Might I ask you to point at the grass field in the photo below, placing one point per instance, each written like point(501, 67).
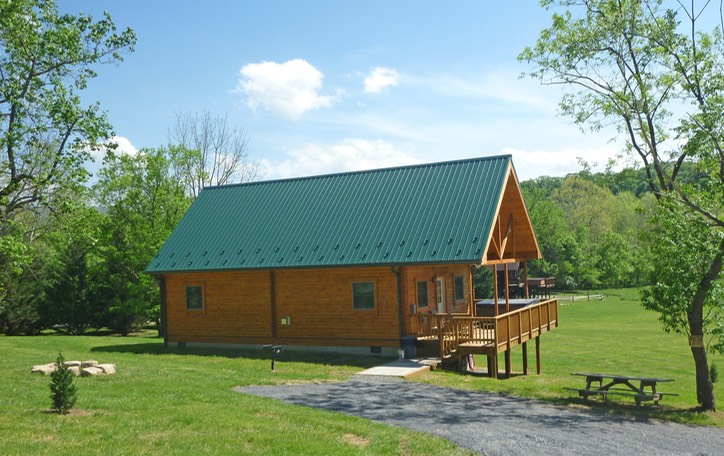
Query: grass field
point(614, 335)
point(179, 401)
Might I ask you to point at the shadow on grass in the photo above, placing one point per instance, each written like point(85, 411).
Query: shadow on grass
point(332, 359)
point(483, 373)
point(642, 413)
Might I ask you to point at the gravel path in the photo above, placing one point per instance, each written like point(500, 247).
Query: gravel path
point(495, 424)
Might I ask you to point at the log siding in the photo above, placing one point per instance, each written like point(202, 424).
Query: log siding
point(302, 306)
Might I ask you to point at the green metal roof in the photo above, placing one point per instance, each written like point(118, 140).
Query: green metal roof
point(422, 214)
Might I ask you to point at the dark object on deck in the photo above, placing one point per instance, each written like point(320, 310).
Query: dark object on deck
point(275, 349)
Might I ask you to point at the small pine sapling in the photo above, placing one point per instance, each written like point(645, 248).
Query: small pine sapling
point(62, 387)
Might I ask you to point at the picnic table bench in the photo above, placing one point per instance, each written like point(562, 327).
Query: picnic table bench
point(640, 388)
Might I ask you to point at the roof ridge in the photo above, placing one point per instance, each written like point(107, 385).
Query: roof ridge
point(361, 171)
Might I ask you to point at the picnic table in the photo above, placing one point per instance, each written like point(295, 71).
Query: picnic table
point(641, 388)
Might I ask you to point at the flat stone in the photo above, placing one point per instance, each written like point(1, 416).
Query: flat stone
point(402, 368)
point(75, 370)
point(108, 368)
point(89, 363)
point(72, 363)
point(91, 371)
point(45, 369)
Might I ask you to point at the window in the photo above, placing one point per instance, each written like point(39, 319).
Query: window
point(363, 295)
point(194, 297)
point(422, 299)
point(459, 288)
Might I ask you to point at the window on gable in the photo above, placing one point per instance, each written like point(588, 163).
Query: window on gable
point(194, 297)
point(422, 297)
point(459, 288)
point(363, 295)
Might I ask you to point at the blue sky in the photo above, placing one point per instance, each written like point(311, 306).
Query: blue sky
point(329, 86)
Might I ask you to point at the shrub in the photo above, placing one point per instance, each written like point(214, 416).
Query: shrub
point(62, 387)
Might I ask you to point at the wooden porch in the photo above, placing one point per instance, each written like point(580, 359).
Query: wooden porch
point(457, 336)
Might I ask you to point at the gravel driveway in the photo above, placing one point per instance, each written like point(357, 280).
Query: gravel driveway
point(495, 424)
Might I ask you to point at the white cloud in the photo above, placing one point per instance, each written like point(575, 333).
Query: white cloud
point(360, 154)
point(287, 89)
point(123, 146)
point(501, 85)
point(380, 78)
point(347, 155)
point(533, 163)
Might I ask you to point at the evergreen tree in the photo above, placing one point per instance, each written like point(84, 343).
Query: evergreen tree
point(62, 387)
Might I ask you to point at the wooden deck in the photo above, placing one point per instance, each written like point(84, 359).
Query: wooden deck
point(460, 335)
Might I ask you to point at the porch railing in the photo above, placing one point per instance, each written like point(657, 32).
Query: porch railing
point(496, 333)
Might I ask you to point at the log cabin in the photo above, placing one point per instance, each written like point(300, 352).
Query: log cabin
point(377, 261)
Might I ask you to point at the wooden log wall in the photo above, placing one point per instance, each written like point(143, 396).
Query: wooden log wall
point(305, 307)
point(319, 304)
point(235, 304)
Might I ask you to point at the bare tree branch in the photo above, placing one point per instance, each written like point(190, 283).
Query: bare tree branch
point(223, 155)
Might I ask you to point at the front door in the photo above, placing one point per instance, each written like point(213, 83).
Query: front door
point(440, 285)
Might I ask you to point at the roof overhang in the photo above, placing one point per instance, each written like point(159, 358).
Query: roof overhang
point(512, 237)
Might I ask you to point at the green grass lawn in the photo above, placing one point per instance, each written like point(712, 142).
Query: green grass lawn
point(181, 402)
point(614, 335)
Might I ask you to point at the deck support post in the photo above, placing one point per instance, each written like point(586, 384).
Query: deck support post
point(441, 338)
point(507, 289)
point(495, 289)
point(473, 307)
point(508, 364)
point(525, 358)
point(493, 365)
point(537, 355)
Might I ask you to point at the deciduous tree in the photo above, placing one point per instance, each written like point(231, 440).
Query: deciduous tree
point(46, 60)
point(144, 201)
point(650, 70)
point(222, 152)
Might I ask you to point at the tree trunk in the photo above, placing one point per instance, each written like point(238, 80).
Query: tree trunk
point(704, 387)
point(159, 327)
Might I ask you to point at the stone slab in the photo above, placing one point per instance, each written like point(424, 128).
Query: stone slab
point(91, 371)
point(45, 369)
point(401, 368)
point(108, 368)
